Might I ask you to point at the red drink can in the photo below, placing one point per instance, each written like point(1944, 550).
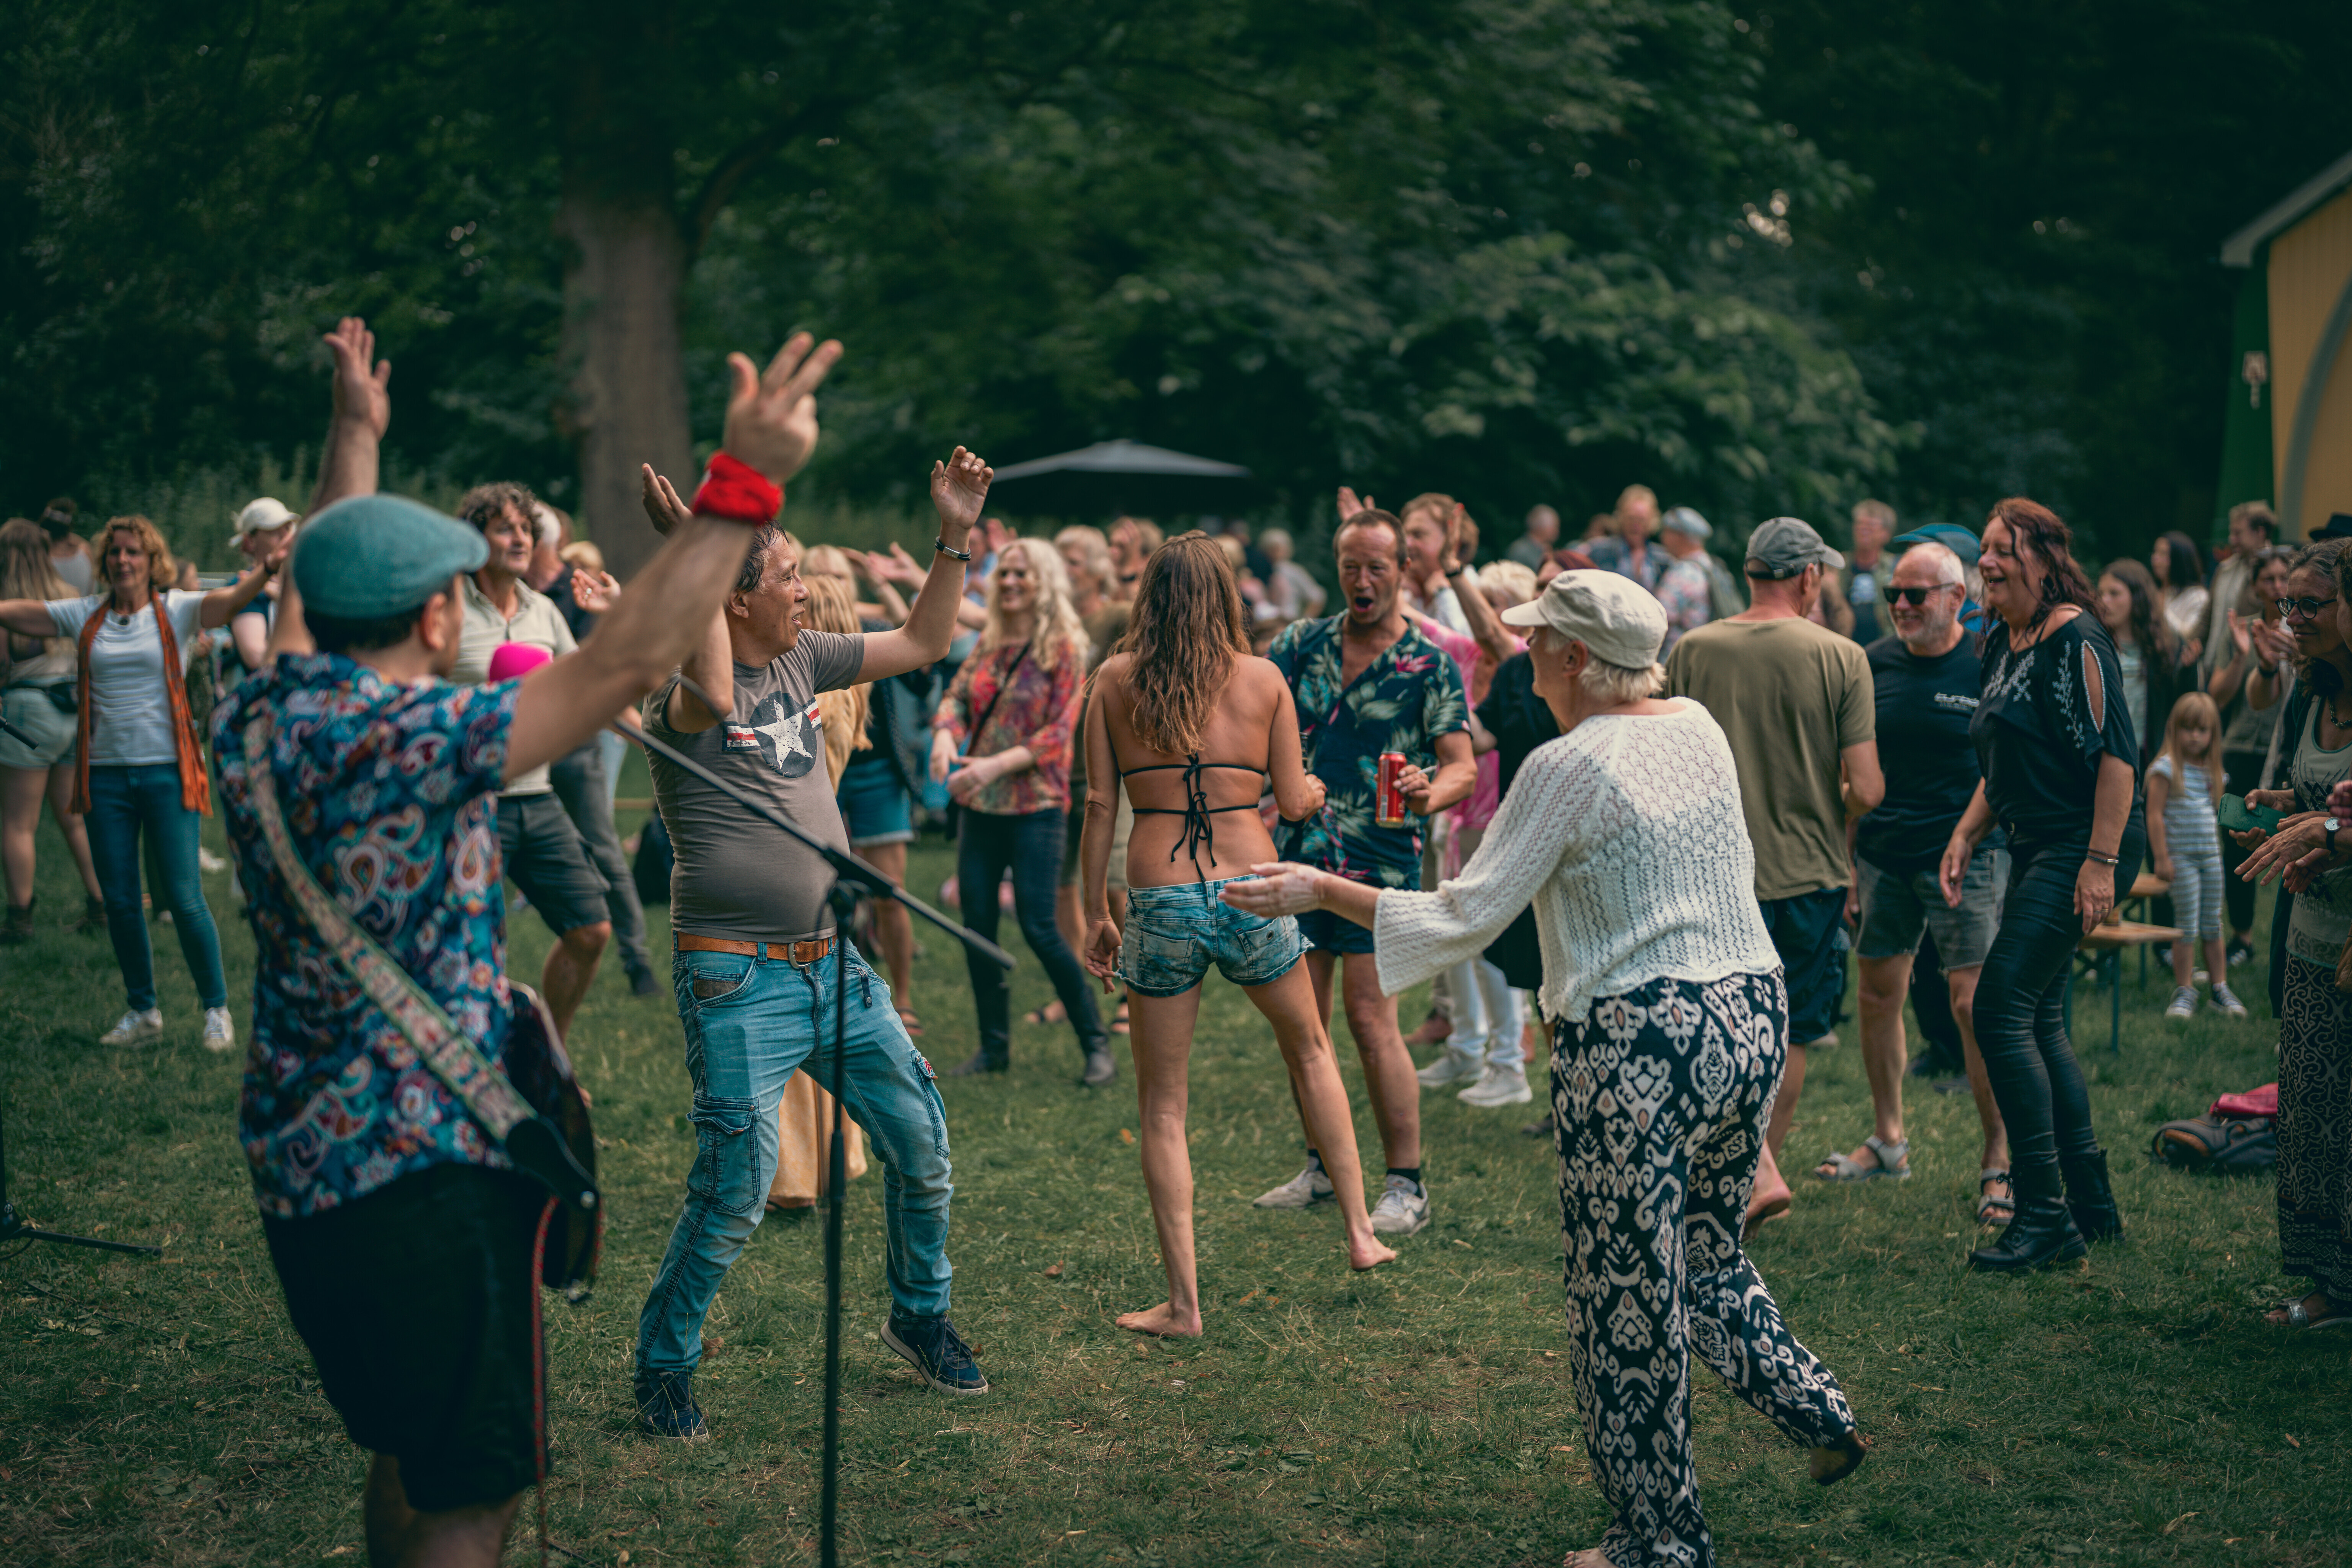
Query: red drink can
point(1388, 800)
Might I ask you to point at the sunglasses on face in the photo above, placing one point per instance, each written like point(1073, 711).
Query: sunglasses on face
point(1915, 595)
point(2306, 609)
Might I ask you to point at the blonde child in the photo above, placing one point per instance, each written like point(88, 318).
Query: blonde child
point(2184, 785)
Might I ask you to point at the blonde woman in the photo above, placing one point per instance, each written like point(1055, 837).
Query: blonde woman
point(1192, 718)
point(1001, 741)
point(35, 762)
point(138, 769)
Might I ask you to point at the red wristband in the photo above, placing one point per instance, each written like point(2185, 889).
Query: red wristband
point(734, 489)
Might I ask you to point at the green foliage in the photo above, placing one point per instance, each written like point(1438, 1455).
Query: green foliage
point(1462, 244)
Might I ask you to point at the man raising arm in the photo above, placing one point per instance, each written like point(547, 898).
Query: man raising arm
point(401, 1234)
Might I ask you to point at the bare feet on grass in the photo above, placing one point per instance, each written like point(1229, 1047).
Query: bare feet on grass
point(1591, 1557)
point(1365, 1251)
point(1163, 1321)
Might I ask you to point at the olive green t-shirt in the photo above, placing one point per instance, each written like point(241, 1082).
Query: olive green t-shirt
point(1791, 696)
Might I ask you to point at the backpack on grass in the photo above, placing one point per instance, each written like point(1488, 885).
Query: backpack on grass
point(2238, 1136)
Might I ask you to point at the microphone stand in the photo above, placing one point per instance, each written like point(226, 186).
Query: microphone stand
point(851, 878)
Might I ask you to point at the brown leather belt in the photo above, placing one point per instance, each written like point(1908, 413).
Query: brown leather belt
point(801, 953)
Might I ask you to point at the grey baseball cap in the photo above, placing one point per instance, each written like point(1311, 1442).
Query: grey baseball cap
point(1784, 546)
point(1684, 521)
point(381, 556)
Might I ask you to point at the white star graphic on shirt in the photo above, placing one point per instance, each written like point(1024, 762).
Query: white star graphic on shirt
point(783, 733)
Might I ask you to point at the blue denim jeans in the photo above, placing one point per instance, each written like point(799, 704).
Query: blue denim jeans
point(123, 803)
point(751, 1022)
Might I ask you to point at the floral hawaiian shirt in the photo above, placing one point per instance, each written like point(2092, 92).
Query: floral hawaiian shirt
point(1023, 696)
point(1404, 701)
point(390, 795)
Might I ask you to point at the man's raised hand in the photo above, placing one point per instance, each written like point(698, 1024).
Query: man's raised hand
point(362, 382)
point(660, 502)
point(959, 488)
point(772, 414)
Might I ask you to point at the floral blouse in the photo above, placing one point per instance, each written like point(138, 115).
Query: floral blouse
point(1035, 693)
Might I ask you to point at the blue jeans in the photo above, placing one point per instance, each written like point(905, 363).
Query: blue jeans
point(1030, 844)
point(124, 803)
point(750, 1024)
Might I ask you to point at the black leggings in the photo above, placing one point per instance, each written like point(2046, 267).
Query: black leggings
point(1031, 844)
point(2021, 1003)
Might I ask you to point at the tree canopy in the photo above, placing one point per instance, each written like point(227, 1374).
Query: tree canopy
point(1521, 252)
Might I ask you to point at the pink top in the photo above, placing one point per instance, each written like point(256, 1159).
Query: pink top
point(1475, 812)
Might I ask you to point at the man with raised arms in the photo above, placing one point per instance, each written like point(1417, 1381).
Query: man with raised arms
point(399, 1229)
point(754, 969)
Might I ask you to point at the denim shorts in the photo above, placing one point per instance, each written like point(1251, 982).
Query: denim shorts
point(875, 807)
point(1173, 934)
point(1897, 906)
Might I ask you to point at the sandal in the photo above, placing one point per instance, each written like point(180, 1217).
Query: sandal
point(912, 1025)
point(1848, 1452)
point(1894, 1164)
point(1770, 1209)
point(2298, 1316)
point(1991, 1210)
point(1119, 1020)
point(1051, 1013)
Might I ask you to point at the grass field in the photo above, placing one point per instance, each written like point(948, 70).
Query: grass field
point(2131, 1410)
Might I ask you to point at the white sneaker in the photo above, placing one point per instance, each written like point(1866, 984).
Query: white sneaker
point(2225, 1001)
point(220, 1029)
point(1503, 1083)
point(2199, 976)
point(2182, 1007)
point(208, 861)
point(1304, 1190)
point(135, 1027)
point(1452, 1064)
point(1403, 1209)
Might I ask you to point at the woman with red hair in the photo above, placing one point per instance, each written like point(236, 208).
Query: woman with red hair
point(2061, 765)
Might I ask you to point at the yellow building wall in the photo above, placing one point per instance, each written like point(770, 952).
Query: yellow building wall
point(2310, 265)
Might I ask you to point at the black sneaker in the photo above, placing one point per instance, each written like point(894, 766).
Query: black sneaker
point(2239, 956)
point(665, 1408)
point(937, 1352)
point(643, 983)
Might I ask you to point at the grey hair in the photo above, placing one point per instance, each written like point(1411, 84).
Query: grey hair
point(1948, 567)
point(755, 558)
point(1607, 684)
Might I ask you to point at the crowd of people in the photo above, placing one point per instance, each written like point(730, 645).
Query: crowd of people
point(1630, 812)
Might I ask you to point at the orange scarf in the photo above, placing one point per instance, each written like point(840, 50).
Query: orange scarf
point(196, 783)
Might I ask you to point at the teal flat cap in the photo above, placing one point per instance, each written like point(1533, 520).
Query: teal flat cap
point(379, 555)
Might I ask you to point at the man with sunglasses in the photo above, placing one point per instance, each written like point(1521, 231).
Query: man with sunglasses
point(1925, 678)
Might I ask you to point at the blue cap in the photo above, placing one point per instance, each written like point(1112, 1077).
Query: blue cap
point(378, 556)
point(1950, 535)
point(1686, 523)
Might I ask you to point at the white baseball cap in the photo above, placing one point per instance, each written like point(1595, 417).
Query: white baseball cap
point(264, 515)
point(1613, 616)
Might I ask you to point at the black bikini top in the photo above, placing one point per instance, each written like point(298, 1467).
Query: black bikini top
point(1196, 811)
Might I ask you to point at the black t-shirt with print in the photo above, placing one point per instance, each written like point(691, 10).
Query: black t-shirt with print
point(1924, 750)
point(2046, 717)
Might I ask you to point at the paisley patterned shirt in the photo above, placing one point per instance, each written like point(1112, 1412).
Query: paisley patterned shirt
point(390, 795)
point(1025, 696)
point(1404, 701)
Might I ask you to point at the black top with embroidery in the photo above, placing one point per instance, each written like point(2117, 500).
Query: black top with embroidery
point(2047, 716)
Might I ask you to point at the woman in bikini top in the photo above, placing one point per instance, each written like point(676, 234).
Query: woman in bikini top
point(1193, 728)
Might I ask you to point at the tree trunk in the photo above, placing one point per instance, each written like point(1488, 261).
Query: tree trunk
point(627, 382)
point(624, 275)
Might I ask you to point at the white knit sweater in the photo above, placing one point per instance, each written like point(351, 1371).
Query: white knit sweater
point(1626, 835)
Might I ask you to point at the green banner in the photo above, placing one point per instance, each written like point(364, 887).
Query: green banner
point(2246, 423)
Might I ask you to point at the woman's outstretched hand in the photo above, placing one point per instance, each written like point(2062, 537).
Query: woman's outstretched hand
point(1276, 888)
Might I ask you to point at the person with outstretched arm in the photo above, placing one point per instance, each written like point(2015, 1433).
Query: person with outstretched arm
point(401, 1233)
point(753, 968)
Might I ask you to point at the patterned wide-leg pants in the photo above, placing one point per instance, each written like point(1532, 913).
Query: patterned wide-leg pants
point(1659, 1101)
point(2314, 1130)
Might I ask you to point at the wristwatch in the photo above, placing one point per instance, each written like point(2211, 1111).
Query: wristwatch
point(2329, 829)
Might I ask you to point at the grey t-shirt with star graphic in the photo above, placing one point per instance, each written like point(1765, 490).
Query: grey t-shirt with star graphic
point(736, 874)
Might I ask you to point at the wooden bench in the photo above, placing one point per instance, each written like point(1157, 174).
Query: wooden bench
point(2104, 944)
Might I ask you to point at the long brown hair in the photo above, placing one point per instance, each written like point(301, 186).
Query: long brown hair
point(1187, 628)
point(2043, 531)
point(842, 713)
point(2149, 630)
point(26, 572)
